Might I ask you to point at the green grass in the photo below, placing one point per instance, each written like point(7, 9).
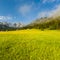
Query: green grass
point(30, 45)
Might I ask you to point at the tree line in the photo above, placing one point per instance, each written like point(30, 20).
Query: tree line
point(45, 23)
point(42, 23)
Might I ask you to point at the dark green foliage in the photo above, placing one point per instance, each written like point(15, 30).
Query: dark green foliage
point(42, 23)
point(45, 23)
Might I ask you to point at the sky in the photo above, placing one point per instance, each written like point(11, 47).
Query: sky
point(25, 11)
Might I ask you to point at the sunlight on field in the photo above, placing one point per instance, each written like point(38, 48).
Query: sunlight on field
point(32, 31)
point(20, 31)
point(30, 45)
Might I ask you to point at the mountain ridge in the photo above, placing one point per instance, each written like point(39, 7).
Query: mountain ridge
point(45, 23)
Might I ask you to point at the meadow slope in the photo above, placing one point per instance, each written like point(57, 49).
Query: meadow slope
point(30, 45)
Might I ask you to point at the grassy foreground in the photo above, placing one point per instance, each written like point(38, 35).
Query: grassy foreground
point(30, 45)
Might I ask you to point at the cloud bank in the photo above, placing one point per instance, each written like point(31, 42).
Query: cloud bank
point(6, 18)
point(51, 13)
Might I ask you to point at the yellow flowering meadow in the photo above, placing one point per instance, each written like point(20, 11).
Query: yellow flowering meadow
point(30, 45)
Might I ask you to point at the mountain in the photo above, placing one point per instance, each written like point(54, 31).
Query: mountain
point(17, 25)
point(42, 23)
point(45, 23)
point(4, 26)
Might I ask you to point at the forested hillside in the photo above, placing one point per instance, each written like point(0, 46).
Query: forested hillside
point(42, 23)
point(45, 23)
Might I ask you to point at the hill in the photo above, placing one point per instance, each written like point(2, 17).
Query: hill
point(51, 23)
point(45, 23)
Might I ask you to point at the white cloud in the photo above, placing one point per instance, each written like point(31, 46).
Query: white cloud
point(25, 9)
point(56, 11)
point(6, 17)
point(44, 1)
point(51, 13)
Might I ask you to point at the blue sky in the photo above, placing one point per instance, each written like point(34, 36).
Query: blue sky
point(26, 11)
